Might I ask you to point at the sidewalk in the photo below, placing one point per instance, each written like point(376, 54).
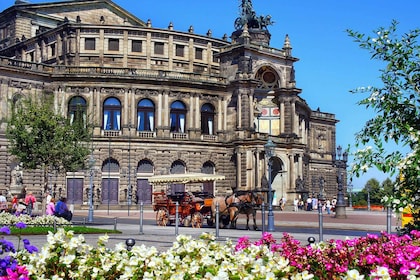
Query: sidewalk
point(163, 237)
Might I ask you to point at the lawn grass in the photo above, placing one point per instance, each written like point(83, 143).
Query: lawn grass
point(36, 230)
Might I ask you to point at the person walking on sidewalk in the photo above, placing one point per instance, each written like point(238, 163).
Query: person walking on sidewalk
point(30, 202)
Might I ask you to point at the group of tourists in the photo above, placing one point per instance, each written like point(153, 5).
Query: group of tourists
point(58, 209)
point(312, 203)
point(25, 202)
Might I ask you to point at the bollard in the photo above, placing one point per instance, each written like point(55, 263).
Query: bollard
point(388, 219)
point(311, 240)
point(84, 221)
point(321, 223)
point(176, 218)
point(115, 223)
point(55, 225)
point(141, 217)
point(263, 217)
point(217, 220)
point(130, 242)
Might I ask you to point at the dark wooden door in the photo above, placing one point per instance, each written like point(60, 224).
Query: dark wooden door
point(74, 190)
point(144, 191)
point(208, 187)
point(110, 191)
point(177, 188)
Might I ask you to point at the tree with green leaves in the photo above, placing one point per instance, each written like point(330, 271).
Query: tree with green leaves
point(397, 120)
point(41, 138)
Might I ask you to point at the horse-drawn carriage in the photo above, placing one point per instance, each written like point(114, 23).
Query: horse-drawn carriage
point(193, 208)
point(240, 202)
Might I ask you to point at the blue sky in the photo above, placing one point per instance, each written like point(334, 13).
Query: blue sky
point(330, 65)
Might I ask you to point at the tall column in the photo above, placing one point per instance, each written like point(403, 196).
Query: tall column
point(292, 170)
point(159, 109)
point(197, 111)
point(294, 118)
point(165, 107)
point(256, 169)
point(282, 117)
point(300, 166)
point(239, 111)
point(191, 115)
point(219, 114)
point(127, 110)
point(225, 116)
point(251, 111)
point(238, 169)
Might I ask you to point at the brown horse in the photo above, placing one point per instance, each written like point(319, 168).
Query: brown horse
point(249, 208)
point(227, 211)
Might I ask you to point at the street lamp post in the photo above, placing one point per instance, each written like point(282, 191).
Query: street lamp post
point(341, 164)
point(129, 188)
point(269, 153)
point(91, 165)
point(350, 189)
point(320, 200)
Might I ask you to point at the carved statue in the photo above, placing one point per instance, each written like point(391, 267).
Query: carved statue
point(250, 18)
point(17, 176)
point(299, 183)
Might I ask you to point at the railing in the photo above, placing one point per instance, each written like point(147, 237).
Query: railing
point(176, 135)
point(123, 72)
point(146, 134)
point(211, 138)
point(111, 133)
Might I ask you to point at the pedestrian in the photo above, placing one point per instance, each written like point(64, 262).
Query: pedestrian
point(282, 203)
point(309, 204)
point(30, 202)
point(47, 197)
point(3, 203)
point(296, 204)
point(61, 209)
point(50, 207)
point(328, 206)
point(20, 208)
point(15, 202)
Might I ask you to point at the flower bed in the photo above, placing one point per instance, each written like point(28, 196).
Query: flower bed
point(66, 256)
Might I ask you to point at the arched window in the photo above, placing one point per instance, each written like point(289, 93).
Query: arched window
point(112, 114)
point(110, 165)
point(145, 115)
point(178, 116)
point(145, 166)
point(77, 110)
point(208, 168)
point(207, 119)
point(178, 167)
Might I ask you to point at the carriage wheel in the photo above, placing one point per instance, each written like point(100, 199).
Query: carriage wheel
point(162, 217)
point(197, 220)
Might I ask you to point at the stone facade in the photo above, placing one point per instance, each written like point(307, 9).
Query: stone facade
point(163, 102)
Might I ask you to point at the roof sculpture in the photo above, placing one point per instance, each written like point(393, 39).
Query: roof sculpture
point(249, 17)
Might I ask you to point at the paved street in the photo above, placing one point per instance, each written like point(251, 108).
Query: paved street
point(300, 225)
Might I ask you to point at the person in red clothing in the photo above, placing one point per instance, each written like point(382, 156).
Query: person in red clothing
point(30, 202)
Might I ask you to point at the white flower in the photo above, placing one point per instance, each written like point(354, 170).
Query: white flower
point(354, 275)
point(68, 259)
